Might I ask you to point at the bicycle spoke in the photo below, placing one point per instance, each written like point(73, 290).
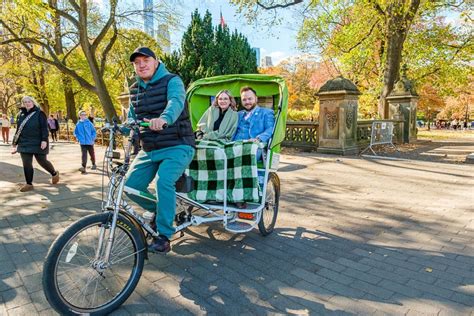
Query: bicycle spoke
point(79, 283)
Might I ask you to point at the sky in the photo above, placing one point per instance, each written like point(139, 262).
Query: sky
point(279, 42)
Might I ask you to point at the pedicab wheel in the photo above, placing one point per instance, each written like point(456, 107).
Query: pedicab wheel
point(76, 282)
point(270, 211)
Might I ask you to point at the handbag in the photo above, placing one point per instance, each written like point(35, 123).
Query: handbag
point(16, 137)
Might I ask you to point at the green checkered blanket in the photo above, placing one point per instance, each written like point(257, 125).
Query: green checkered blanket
point(207, 170)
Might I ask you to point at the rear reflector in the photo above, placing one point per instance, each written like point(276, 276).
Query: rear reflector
point(245, 216)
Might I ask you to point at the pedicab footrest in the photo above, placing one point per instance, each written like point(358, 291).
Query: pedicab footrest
point(251, 207)
point(239, 227)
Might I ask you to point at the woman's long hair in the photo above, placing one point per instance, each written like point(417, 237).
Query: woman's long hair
point(28, 98)
point(233, 104)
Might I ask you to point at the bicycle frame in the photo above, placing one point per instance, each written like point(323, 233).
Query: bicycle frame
point(115, 202)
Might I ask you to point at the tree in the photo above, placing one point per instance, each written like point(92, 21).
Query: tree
point(304, 75)
point(209, 51)
point(77, 38)
point(430, 103)
point(367, 38)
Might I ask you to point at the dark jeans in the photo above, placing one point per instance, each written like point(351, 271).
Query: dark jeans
point(28, 165)
point(5, 134)
point(84, 150)
point(54, 134)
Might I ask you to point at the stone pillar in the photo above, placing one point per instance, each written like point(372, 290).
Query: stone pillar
point(402, 102)
point(125, 103)
point(338, 102)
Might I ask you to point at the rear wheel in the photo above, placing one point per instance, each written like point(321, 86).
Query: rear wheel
point(270, 210)
point(75, 282)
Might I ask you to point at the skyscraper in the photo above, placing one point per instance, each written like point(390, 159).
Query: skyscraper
point(267, 62)
point(257, 55)
point(148, 17)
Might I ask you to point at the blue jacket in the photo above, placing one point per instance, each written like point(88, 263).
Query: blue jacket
point(85, 132)
point(261, 123)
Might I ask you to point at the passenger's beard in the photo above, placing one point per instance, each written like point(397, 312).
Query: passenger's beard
point(253, 107)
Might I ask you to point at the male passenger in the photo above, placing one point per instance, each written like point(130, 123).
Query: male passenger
point(255, 123)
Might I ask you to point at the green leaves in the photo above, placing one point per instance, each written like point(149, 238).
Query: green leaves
point(210, 51)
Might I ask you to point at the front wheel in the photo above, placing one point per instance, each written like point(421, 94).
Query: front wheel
point(78, 281)
point(270, 211)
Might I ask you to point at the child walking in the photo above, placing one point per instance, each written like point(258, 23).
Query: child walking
point(85, 134)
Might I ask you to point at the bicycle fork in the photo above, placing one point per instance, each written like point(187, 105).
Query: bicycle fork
point(109, 241)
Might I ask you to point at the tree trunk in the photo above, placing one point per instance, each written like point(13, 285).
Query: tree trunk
point(42, 86)
point(71, 112)
point(396, 32)
point(102, 91)
point(104, 97)
point(38, 82)
point(97, 75)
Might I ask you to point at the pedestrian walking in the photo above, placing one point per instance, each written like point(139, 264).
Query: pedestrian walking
point(85, 134)
point(5, 128)
point(53, 126)
point(31, 139)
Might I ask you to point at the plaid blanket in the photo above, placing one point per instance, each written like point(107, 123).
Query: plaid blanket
point(207, 170)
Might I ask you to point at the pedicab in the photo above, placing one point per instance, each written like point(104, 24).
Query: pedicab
point(96, 263)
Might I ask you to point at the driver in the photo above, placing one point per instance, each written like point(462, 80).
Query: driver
point(168, 144)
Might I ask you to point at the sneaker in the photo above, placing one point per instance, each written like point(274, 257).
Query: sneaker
point(94, 167)
point(160, 245)
point(82, 170)
point(55, 178)
point(26, 188)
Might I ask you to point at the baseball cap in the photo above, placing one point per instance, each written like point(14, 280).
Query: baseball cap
point(143, 51)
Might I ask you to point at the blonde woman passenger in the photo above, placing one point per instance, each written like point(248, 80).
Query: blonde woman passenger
point(219, 122)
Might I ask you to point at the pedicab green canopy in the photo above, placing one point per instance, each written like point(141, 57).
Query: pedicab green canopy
point(272, 89)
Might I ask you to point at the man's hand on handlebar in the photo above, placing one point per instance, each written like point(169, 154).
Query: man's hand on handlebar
point(156, 124)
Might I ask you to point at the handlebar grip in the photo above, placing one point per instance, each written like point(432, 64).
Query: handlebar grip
point(147, 124)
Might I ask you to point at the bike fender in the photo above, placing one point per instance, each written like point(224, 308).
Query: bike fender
point(138, 226)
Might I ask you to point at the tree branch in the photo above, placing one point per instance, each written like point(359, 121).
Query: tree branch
point(75, 5)
point(377, 7)
point(269, 7)
point(63, 60)
point(411, 13)
point(55, 62)
point(105, 29)
point(361, 40)
point(65, 15)
point(107, 50)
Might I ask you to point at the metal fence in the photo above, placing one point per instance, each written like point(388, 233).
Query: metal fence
point(381, 134)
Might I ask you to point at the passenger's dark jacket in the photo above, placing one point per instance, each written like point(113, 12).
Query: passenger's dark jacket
point(34, 132)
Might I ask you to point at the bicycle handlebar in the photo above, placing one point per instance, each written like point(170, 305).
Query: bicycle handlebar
point(128, 124)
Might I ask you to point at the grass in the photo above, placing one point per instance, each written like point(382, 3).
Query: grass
point(442, 134)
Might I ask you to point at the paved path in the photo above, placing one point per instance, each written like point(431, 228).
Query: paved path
point(353, 236)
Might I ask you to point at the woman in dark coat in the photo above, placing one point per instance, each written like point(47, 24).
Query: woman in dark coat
point(33, 141)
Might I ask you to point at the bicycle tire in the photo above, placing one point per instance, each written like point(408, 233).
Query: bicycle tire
point(270, 211)
point(66, 251)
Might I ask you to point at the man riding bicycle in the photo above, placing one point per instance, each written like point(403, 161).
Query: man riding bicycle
point(158, 97)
